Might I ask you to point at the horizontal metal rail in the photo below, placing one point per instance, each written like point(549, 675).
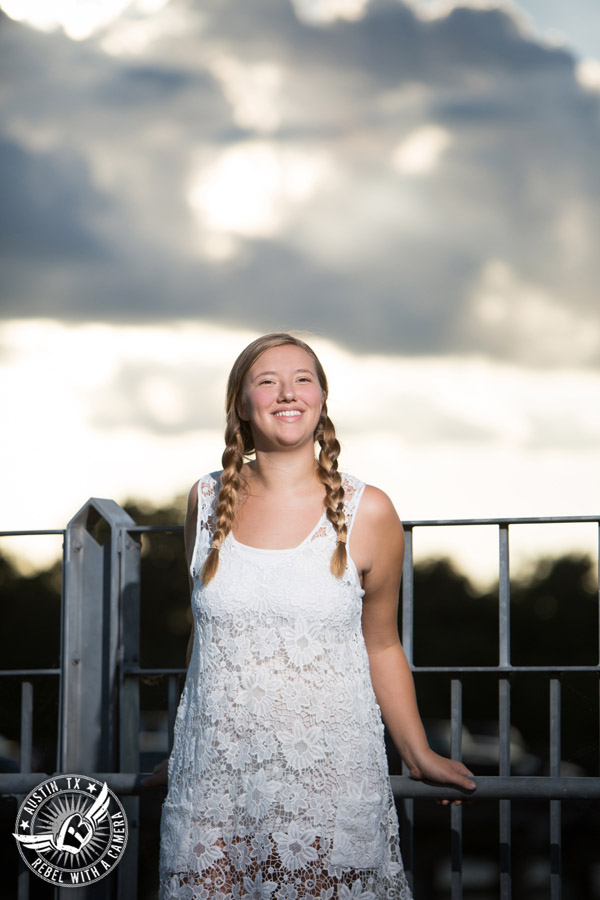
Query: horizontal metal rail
point(417, 670)
point(27, 673)
point(523, 520)
point(488, 787)
point(408, 523)
point(500, 670)
point(30, 532)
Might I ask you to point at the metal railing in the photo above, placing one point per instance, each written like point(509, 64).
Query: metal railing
point(100, 674)
point(505, 786)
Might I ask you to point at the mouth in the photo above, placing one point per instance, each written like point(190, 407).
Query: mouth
point(288, 414)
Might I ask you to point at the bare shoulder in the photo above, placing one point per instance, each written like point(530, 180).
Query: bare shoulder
point(377, 533)
point(377, 513)
point(375, 503)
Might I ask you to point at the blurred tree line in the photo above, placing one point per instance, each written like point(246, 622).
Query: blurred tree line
point(554, 621)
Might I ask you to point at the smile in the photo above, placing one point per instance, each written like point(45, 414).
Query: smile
point(289, 413)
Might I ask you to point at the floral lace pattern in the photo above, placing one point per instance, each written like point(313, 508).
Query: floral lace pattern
point(278, 783)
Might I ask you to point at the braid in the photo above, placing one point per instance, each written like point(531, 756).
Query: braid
point(327, 470)
point(232, 460)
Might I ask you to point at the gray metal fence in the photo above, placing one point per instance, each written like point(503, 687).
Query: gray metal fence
point(99, 708)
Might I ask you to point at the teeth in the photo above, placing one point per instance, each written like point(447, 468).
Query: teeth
point(289, 412)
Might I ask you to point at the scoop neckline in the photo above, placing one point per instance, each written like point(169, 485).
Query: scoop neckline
point(279, 549)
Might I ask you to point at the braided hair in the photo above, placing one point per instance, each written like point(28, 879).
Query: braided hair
point(239, 443)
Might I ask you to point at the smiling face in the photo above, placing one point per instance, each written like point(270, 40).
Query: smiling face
point(281, 398)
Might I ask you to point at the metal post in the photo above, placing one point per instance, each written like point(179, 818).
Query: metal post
point(408, 597)
point(456, 819)
point(25, 761)
point(407, 810)
point(505, 805)
point(504, 713)
point(96, 583)
point(504, 597)
point(129, 706)
point(555, 805)
point(88, 732)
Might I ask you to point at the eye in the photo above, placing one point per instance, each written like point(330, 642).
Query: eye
point(266, 381)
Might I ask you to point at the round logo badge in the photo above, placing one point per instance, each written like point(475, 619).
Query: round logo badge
point(71, 830)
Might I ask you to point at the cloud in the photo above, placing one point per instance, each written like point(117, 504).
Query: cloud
point(357, 177)
point(47, 203)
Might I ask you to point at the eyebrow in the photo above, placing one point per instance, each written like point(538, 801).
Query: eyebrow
point(296, 372)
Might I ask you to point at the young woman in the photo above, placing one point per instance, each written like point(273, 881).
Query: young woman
point(278, 782)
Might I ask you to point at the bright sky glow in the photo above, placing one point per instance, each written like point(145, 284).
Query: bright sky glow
point(420, 152)
point(588, 74)
point(250, 188)
point(78, 18)
point(445, 438)
point(318, 11)
point(253, 91)
point(134, 35)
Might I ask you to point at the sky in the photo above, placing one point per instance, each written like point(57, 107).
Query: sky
point(415, 185)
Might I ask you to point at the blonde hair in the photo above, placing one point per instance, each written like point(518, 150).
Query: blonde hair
point(240, 443)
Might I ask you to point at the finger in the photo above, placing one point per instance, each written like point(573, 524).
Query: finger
point(465, 779)
point(154, 780)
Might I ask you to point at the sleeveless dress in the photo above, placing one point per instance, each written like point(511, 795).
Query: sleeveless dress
point(278, 778)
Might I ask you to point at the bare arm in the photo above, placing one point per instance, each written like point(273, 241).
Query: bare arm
point(383, 539)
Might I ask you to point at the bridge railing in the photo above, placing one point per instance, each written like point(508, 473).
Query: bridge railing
point(99, 688)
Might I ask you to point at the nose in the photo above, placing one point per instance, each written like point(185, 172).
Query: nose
point(287, 392)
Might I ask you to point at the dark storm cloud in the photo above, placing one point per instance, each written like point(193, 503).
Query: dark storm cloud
point(381, 259)
point(45, 200)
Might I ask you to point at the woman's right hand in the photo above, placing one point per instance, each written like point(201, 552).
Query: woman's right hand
point(160, 775)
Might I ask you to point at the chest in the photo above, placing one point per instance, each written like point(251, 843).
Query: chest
point(277, 525)
point(264, 587)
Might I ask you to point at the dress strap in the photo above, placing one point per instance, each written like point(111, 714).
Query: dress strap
point(353, 491)
point(208, 489)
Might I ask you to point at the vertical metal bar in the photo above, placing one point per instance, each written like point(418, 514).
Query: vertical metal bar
point(555, 805)
point(26, 726)
point(407, 810)
point(504, 711)
point(408, 597)
point(505, 805)
point(129, 699)
point(456, 822)
point(504, 597)
point(25, 760)
point(129, 651)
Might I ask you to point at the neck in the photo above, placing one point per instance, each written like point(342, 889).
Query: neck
point(286, 473)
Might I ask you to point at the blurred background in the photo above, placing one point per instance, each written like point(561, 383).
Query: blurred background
point(414, 184)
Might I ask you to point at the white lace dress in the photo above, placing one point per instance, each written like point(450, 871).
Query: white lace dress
point(278, 780)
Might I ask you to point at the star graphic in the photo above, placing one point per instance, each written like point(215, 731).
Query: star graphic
point(92, 787)
point(24, 825)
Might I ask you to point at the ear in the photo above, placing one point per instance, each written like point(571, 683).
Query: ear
point(240, 408)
